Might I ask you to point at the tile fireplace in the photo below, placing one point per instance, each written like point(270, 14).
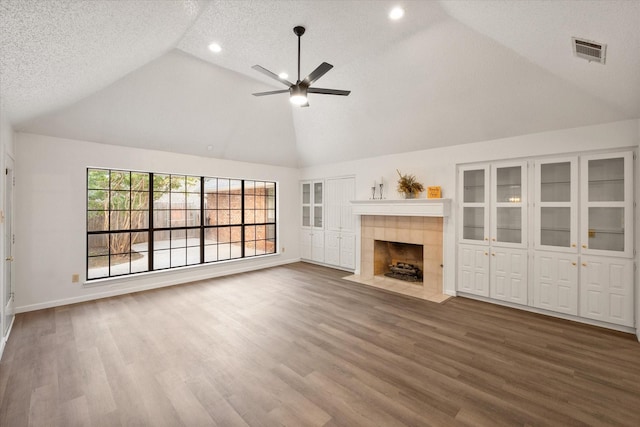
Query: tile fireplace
point(414, 235)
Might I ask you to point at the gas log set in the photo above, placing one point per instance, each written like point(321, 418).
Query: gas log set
point(405, 271)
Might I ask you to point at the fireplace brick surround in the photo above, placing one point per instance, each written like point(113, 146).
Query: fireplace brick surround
point(426, 231)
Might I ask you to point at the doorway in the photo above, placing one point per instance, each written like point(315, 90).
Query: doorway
point(8, 291)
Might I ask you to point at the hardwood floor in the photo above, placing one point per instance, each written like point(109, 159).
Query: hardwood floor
point(299, 346)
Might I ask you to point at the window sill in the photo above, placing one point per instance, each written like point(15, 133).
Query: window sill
point(167, 272)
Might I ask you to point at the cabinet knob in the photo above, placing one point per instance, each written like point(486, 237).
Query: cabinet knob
point(493, 254)
point(494, 239)
point(486, 253)
point(584, 246)
point(584, 264)
point(486, 238)
point(573, 263)
point(573, 245)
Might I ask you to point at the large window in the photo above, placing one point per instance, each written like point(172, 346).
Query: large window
point(139, 221)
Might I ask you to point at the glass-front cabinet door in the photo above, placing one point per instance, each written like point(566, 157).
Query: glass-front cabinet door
point(509, 207)
point(606, 191)
point(556, 193)
point(312, 203)
point(318, 196)
point(306, 204)
point(474, 191)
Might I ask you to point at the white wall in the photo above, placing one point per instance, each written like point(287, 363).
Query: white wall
point(51, 216)
point(637, 223)
point(438, 166)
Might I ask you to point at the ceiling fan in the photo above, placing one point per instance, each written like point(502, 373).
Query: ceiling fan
point(298, 91)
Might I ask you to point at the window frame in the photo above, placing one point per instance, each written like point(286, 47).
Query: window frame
point(269, 241)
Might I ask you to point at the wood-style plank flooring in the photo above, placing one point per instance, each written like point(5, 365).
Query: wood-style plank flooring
point(299, 346)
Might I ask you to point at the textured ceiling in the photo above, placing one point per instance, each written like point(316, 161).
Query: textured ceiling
point(450, 72)
point(54, 52)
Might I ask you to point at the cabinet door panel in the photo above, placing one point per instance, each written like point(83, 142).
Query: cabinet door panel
point(509, 275)
point(473, 190)
point(317, 246)
point(306, 193)
point(334, 204)
point(305, 249)
point(306, 216)
point(606, 290)
point(555, 282)
point(556, 204)
point(348, 250)
point(500, 287)
point(473, 271)
point(332, 247)
point(348, 193)
point(509, 204)
point(606, 204)
point(466, 278)
point(546, 296)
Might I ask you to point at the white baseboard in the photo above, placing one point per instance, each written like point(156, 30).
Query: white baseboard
point(5, 339)
point(323, 264)
point(160, 283)
point(578, 319)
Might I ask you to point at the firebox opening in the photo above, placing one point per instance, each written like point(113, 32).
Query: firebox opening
point(403, 261)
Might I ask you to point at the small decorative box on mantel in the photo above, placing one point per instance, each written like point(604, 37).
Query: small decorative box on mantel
point(434, 192)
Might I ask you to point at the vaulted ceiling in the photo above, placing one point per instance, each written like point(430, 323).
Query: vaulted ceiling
point(139, 73)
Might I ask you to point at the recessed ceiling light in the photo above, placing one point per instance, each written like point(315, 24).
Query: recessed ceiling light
point(215, 47)
point(396, 13)
point(283, 75)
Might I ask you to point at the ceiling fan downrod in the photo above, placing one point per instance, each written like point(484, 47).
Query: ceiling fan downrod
point(298, 31)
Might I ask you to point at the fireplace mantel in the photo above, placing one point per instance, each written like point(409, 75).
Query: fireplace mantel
point(410, 207)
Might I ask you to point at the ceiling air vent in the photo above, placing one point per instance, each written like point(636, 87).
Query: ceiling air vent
point(589, 50)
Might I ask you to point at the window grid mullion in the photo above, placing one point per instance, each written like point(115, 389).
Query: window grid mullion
point(151, 223)
point(242, 224)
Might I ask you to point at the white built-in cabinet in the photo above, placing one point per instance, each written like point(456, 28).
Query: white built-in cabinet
point(567, 250)
point(555, 237)
point(312, 233)
point(493, 230)
point(340, 233)
point(328, 233)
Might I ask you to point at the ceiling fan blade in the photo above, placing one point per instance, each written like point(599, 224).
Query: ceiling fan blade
point(328, 91)
point(273, 92)
point(317, 73)
point(272, 75)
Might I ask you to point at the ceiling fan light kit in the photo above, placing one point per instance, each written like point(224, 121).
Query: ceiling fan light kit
point(298, 95)
point(298, 91)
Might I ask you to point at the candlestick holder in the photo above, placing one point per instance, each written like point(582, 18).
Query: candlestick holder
point(373, 193)
point(381, 187)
